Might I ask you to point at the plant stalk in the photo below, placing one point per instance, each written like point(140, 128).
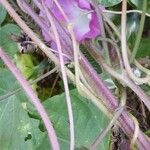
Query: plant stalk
point(34, 99)
point(126, 123)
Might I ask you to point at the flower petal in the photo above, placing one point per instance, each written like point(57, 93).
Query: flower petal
point(78, 12)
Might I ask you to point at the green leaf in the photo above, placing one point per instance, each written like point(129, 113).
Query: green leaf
point(3, 14)
point(25, 64)
point(5, 38)
point(10, 28)
point(17, 130)
point(144, 49)
point(109, 3)
point(139, 4)
point(7, 82)
point(88, 120)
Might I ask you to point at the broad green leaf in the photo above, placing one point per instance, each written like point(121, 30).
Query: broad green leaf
point(17, 130)
point(108, 3)
point(3, 14)
point(88, 120)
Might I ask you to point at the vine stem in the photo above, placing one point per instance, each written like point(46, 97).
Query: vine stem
point(114, 28)
point(111, 101)
point(124, 47)
point(104, 132)
point(128, 11)
point(140, 31)
point(34, 99)
point(64, 76)
point(123, 78)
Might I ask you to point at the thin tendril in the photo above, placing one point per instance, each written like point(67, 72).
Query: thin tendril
point(65, 80)
point(128, 11)
point(140, 31)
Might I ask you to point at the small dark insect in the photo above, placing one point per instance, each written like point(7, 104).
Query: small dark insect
point(25, 44)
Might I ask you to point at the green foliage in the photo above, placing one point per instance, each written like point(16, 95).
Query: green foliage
point(15, 125)
point(6, 31)
point(10, 28)
point(87, 118)
point(20, 125)
point(25, 64)
point(88, 121)
point(5, 38)
point(139, 4)
point(3, 14)
point(19, 131)
point(144, 49)
point(108, 3)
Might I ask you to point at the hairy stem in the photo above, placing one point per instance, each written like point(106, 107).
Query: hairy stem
point(101, 90)
point(122, 78)
point(34, 99)
point(64, 76)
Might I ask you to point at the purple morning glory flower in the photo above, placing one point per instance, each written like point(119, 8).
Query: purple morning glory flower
point(80, 13)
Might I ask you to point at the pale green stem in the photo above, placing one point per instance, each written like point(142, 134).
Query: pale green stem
point(123, 78)
point(128, 11)
point(124, 48)
point(112, 25)
point(140, 31)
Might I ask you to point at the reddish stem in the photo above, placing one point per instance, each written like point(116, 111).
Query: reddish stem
point(34, 99)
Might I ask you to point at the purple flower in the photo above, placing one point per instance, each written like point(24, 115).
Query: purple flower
point(80, 13)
